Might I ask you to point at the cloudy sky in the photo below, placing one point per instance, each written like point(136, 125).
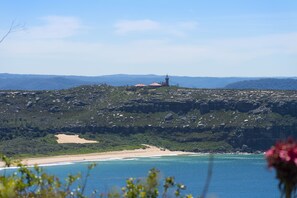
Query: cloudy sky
point(189, 37)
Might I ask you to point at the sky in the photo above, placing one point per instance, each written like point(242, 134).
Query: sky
point(218, 38)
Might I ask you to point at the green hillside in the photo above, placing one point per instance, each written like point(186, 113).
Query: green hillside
point(199, 120)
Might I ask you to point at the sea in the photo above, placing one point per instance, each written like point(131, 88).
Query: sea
point(233, 175)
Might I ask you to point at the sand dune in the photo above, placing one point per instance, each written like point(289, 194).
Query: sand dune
point(63, 138)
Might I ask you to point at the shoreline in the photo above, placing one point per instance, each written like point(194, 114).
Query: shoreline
point(150, 151)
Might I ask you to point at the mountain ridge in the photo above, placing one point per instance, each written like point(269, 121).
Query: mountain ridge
point(56, 82)
point(265, 84)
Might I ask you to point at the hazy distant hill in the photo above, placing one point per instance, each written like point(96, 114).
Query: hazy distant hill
point(268, 83)
point(52, 82)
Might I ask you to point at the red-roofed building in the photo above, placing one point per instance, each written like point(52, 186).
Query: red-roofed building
point(155, 85)
point(140, 85)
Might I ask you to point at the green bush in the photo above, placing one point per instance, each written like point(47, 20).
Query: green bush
point(35, 183)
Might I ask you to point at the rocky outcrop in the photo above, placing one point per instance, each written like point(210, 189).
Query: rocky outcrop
point(255, 107)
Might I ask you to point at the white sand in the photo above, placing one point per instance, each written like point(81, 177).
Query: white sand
point(63, 138)
point(150, 151)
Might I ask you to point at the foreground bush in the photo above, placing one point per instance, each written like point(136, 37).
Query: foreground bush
point(283, 158)
point(34, 182)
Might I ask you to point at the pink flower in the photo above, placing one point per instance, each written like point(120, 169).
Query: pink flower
point(270, 152)
point(283, 154)
point(295, 161)
point(283, 157)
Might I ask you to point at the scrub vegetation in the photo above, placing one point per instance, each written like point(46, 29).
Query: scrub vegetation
point(199, 120)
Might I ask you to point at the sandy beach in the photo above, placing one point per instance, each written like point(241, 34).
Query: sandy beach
point(150, 151)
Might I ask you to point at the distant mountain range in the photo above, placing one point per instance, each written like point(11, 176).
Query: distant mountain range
point(267, 83)
point(55, 82)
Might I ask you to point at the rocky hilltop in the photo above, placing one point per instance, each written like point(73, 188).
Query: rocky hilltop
point(172, 117)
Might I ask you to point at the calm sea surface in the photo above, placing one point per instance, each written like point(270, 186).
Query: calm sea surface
point(234, 176)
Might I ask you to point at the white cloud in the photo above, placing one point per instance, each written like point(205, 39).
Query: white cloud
point(126, 26)
point(250, 56)
point(54, 27)
point(179, 29)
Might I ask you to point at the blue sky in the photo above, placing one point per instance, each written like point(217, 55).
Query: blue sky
point(192, 38)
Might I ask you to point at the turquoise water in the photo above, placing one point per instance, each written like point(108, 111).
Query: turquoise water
point(244, 176)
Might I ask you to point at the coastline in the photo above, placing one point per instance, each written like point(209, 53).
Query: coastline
point(150, 151)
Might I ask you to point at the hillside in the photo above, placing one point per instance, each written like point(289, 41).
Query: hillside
point(265, 84)
point(52, 82)
point(125, 117)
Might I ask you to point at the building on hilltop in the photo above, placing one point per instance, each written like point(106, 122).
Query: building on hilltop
point(140, 85)
point(155, 84)
point(166, 83)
